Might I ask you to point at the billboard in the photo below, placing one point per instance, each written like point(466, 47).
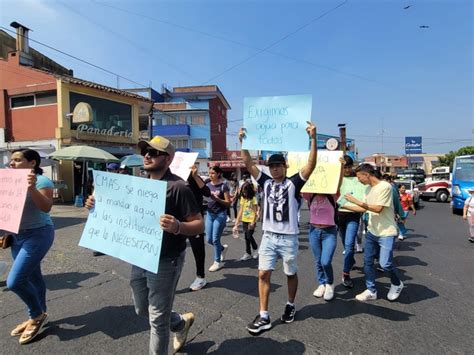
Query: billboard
point(413, 145)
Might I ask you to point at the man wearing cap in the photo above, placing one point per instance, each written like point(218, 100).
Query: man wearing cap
point(153, 294)
point(280, 227)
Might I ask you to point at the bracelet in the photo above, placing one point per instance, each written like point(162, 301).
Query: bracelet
point(178, 230)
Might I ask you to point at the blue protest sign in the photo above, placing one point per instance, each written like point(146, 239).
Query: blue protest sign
point(277, 123)
point(413, 145)
point(125, 220)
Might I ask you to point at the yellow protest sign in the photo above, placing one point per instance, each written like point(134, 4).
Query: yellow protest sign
point(325, 177)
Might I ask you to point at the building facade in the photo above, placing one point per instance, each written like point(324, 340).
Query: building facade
point(35, 112)
point(194, 118)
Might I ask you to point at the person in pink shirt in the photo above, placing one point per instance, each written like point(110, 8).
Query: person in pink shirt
point(323, 238)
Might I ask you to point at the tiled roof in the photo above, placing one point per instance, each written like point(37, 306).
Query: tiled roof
point(90, 84)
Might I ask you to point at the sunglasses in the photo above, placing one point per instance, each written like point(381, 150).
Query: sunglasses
point(153, 152)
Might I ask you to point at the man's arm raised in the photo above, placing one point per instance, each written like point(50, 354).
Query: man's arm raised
point(307, 170)
point(247, 159)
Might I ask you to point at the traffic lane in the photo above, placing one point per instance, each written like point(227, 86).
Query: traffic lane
point(230, 302)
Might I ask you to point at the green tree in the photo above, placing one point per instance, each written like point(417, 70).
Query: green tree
point(448, 159)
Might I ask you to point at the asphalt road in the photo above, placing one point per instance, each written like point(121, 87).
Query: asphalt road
point(91, 310)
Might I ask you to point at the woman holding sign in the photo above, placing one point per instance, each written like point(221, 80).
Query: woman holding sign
point(31, 244)
point(217, 215)
point(323, 238)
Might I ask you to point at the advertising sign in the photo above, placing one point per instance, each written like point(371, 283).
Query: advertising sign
point(413, 145)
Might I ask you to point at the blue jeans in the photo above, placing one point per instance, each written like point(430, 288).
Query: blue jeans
point(215, 224)
point(401, 226)
point(383, 248)
point(153, 296)
point(323, 244)
point(29, 247)
point(348, 224)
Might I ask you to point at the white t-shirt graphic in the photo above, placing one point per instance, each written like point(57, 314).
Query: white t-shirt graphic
point(280, 203)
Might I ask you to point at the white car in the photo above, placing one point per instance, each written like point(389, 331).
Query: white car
point(411, 188)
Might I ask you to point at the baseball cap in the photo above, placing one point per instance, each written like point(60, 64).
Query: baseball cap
point(276, 159)
point(113, 166)
point(159, 143)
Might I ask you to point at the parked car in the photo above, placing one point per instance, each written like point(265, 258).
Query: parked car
point(411, 188)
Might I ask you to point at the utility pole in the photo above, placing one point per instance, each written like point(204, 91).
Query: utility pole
point(342, 136)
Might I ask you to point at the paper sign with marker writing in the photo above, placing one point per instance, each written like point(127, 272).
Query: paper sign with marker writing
point(125, 220)
point(181, 164)
point(352, 186)
point(325, 177)
point(277, 123)
point(13, 189)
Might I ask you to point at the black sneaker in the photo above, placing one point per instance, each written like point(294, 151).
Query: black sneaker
point(347, 282)
point(289, 315)
point(259, 324)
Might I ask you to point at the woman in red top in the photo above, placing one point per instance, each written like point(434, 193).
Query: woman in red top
point(406, 201)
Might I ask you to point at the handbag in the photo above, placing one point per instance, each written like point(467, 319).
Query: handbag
point(5, 241)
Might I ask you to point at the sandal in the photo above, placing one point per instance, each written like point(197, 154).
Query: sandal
point(33, 329)
point(19, 329)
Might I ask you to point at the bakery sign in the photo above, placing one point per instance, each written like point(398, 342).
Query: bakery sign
point(113, 131)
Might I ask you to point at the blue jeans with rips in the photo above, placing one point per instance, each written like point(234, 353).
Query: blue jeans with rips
point(383, 248)
point(25, 279)
point(215, 224)
point(153, 296)
point(323, 244)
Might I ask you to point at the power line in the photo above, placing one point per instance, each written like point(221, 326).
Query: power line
point(129, 41)
point(275, 42)
point(232, 41)
point(76, 58)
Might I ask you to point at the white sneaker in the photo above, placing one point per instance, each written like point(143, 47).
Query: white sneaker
point(255, 254)
point(228, 219)
point(246, 257)
point(319, 292)
point(401, 237)
point(180, 337)
point(359, 248)
point(367, 295)
point(215, 266)
point(395, 291)
point(224, 251)
point(198, 284)
point(329, 292)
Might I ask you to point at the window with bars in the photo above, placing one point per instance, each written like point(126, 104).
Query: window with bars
point(198, 120)
point(199, 143)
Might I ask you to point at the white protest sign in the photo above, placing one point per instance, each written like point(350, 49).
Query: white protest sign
point(182, 163)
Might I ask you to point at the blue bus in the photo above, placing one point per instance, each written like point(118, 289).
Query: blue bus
point(462, 178)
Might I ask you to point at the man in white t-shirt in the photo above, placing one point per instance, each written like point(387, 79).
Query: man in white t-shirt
point(382, 230)
point(280, 227)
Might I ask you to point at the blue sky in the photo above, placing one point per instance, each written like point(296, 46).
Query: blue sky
point(366, 63)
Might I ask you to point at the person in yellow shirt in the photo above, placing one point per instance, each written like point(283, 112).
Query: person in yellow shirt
point(382, 231)
point(248, 214)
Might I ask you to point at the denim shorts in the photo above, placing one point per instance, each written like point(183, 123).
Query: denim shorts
point(275, 245)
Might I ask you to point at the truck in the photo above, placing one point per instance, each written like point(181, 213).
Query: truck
point(462, 180)
point(438, 186)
